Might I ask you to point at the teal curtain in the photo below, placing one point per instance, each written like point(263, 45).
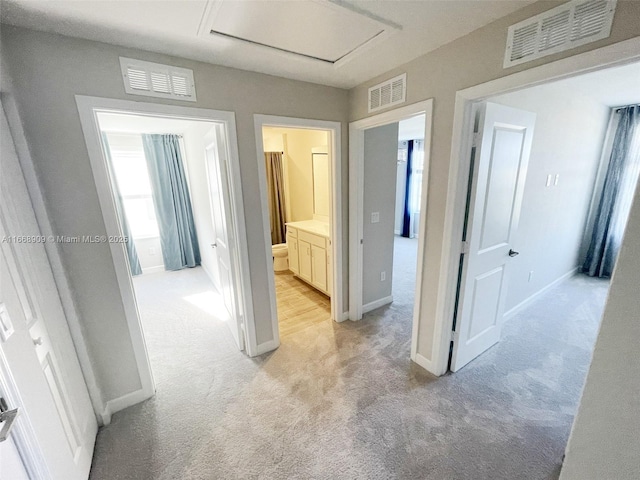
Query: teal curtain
point(617, 195)
point(132, 254)
point(172, 202)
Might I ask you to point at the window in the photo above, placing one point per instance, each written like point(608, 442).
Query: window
point(132, 175)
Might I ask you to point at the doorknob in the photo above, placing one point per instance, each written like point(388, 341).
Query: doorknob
point(7, 419)
point(37, 341)
point(214, 245)
point(513, 253)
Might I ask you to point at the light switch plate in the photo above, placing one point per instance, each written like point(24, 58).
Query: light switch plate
point(375, 217)
point(6, 326)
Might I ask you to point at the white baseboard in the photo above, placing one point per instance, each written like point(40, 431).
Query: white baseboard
point(159, 268)
point(267, 347)
point(121, 403)
point(424, 362)
point(210, 275)
point(529, 300)
point(377, 304)
point(344, 316)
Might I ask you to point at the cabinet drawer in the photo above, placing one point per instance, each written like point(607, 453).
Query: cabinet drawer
point(292, 231)
point(312, 239)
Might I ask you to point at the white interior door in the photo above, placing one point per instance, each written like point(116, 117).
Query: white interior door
point(499, 173)
point(35, 341)
point(224, 247)
point(11, 464)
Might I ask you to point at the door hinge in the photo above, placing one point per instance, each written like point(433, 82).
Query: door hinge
point(464, 248)
point(475, 141)
point(453, 336)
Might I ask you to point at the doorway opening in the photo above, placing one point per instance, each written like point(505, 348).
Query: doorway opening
point(386, 234)
point(408, 193)
point(553, 173)
point(300, 180)
point(299, 198)
point(167, 179)
point(164, 176)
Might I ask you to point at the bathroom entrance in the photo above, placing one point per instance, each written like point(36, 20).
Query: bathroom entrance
point(298, 193)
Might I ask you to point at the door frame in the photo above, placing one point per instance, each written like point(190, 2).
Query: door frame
point(88, 108)
point(53, 254)
point(356, 206)
point(615, 55)
point(335, 227)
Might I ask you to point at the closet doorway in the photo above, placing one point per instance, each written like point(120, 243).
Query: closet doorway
point(302, 229)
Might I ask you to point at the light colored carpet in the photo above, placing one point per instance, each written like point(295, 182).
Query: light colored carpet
point(343, 401)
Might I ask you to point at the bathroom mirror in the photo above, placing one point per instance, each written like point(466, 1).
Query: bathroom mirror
point(320, 184)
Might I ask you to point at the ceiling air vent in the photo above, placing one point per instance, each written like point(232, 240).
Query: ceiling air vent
point(389, 93)
point(568, 26)
point(156, 80)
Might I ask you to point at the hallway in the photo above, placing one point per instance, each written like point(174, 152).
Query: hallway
point(344, 401)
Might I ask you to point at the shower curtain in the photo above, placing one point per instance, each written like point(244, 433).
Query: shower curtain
point(275, 195)
point(172, 203)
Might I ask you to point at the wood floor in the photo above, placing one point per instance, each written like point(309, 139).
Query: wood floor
point(299, 305)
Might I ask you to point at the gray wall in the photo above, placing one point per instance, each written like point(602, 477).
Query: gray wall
point(568, 138)
point(41, 73)
point(471, 60)
point(380, 154)
point(605, 440)
point(149, 252)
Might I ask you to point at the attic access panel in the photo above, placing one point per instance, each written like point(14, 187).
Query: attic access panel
point(319, 30)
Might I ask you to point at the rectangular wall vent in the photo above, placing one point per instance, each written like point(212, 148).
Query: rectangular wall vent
point(157, 80)
point(389, 93)
point(568, 26)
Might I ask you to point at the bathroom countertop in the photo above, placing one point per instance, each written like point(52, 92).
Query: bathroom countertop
point(312, 226)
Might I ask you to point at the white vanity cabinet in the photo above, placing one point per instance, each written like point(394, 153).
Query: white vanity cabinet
point(310, 253)
point(292, 246)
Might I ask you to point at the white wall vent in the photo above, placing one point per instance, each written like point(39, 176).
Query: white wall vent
point(568, 26)
point(389, 93)
point(157, 80)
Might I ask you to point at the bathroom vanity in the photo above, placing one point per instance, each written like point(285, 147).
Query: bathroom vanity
point(309, 247)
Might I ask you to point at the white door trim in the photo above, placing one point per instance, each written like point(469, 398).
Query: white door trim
point(88, 107)
point(619, 54)
point(334, 128)
point(53, 254)
point(356, 206)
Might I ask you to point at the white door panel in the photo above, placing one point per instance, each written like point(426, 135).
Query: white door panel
point(497, 186)
point(319, 267)
point(304, 265)
point(292, 245)
point(11, 466)
point(39, 352)
point(215, 155)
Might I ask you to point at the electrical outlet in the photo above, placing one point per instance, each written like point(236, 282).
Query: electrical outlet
point(530, 276)
point(383, 276)
point(375, 217)
point(152, 251)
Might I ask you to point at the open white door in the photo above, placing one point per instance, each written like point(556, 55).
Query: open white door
point(224, 246)
point(35, 342)
point(499, 173)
